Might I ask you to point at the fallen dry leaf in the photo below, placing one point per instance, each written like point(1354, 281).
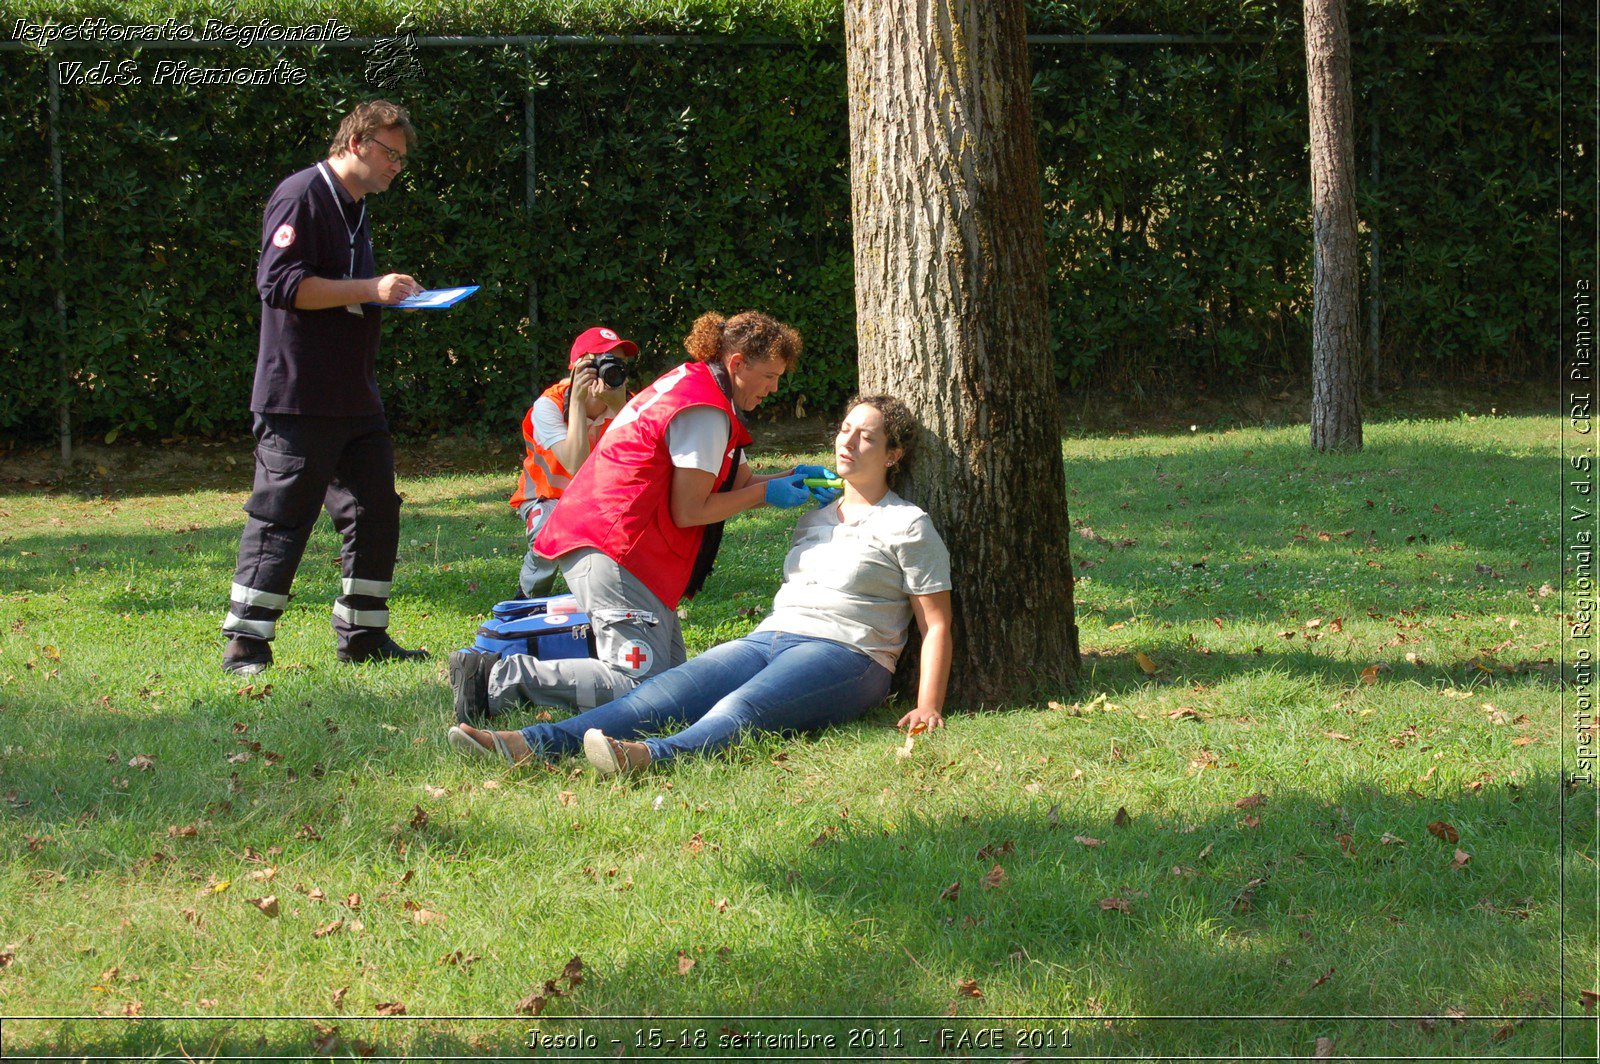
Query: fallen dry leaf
point(1461, 860)
point(1251, 821)
point(968, 988)
point(1324, 1048)
point(316, 894)
point(993, 878)
point(353, 901)
point(459, 959)
point(133, 1008)
point(1440, 830)
point(685, 963)
point(1369, 675)
point(1346, 844)
point(389, 1008)
point(262, 873)
point(435, 792)
point(268, 905)
point(997, 849)
point(566, 798)
point(419, 816)
point(1087, 840)
point(1343, 738)
point(1121, 819)
point(325, 1041)
point(1250, 801)
point(1323, 978)
point(1392, 840)
point(142, 762)
point(329, 928)
point(187, 831)
point(1145, 663)
point(951, 892)
point(427, 916)
point(1121, 905)
point(220, 886)
point(1589, 999)
point(1524, 740)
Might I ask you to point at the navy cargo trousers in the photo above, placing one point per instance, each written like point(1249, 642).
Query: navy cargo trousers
point(303, 465)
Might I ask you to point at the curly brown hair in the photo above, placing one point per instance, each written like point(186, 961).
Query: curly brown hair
point(758, 336)
point(365, 121)
point(899, 429)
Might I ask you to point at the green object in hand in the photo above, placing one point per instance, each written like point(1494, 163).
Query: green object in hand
point(823, 482)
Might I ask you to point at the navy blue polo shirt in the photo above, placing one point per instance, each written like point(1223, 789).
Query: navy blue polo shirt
point(318, 362)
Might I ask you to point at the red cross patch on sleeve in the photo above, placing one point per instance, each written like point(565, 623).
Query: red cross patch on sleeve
point(284, 236)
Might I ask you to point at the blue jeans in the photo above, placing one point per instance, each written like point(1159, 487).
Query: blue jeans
point(768, 681)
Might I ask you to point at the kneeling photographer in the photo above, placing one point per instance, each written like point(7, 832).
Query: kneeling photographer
point(560, 430)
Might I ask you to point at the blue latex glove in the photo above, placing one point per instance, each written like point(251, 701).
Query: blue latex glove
point(816, 472)
point(787, 492)
point(825, 496)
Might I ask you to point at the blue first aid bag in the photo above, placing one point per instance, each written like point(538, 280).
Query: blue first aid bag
point(547, 636)
point(529, 607)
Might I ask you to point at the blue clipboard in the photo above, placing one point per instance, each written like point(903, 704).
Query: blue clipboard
point(434, 298)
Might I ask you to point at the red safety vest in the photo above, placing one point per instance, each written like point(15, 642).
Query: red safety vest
point(620, 501)
point(543, 475)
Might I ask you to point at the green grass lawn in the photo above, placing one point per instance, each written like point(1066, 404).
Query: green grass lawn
point(1338, 795)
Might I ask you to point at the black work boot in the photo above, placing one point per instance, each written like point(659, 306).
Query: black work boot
point(469, 679)
point(377, 646)
point(244, 656)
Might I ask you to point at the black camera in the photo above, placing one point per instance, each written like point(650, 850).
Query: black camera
point(611, 370)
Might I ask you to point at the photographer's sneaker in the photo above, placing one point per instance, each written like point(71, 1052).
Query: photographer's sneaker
point(244, 656)
point(469, 680)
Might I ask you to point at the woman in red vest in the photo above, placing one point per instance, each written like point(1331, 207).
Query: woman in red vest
point(637, 528)
point(857, 575)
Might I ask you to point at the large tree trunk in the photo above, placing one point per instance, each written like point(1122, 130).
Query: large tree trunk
point(951, 318)
point(1336, 279)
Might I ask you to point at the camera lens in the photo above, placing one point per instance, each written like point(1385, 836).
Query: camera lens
point(611, 370)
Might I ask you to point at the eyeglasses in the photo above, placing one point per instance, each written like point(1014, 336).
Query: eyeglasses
point(394, 156)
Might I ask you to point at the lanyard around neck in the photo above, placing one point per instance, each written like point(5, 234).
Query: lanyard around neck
point(350, 231)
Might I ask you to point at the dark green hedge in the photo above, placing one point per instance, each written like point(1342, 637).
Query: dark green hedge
point(672, 180)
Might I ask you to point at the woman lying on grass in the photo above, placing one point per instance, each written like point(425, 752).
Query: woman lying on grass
point(857, 572)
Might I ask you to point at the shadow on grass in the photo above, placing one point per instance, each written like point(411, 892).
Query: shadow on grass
point(1262, 937)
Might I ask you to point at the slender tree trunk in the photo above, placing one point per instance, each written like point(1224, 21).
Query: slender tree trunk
point(1336, 280)
point(951, 317)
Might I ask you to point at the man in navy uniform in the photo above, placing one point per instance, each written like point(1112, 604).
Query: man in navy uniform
point(322, 439)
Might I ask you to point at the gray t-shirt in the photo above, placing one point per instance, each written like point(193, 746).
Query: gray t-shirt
point(852, 582)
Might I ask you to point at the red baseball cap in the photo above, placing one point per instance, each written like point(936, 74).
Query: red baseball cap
point(598, 340)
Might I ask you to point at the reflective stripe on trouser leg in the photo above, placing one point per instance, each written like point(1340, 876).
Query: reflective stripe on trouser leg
point(249, 596)
point(233, 624)
point(378, 589)
point(361, 618)
point(253, 612)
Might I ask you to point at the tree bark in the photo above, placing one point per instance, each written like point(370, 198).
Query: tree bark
point(1336, 277)
point(951, 318)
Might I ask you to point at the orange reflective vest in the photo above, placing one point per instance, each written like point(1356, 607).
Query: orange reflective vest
point(543, 475)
